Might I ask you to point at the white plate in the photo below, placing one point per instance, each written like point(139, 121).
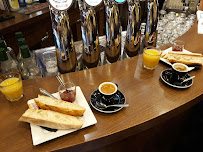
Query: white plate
point(167, 62)
point(40, 135)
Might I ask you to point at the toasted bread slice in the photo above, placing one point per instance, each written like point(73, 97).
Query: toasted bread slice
point(51, 119)
point(186, 59)
point(61, 106)
point(184, 53)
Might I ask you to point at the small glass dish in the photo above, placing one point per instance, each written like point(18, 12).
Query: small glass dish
point(68, 93)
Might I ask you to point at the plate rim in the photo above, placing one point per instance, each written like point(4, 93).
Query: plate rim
point(175, 86)
point(106, 111)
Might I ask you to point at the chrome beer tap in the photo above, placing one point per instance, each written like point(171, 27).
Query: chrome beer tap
point(65, 50)
point(133, 35)
point(113, 31)
point(151, 24)
point(90, 36)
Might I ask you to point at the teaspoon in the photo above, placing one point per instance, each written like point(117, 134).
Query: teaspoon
point(46, 93)
point(188, 79)
point(60, 80)
point(102, 105)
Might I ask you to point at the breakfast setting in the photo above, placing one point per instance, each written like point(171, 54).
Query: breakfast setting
point(107, 76)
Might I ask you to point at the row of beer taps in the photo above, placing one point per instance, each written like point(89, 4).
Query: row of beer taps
point(65, 50)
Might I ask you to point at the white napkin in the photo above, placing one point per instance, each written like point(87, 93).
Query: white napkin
point(200, 22)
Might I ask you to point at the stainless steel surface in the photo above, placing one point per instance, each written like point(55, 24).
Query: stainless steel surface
point(60, 80)
point(151, 24)
point(113, 31)
point(188, 79)
point(46, 93)
point(90, 36)
point(102, 105)
point(65, 50)
point(133, 36)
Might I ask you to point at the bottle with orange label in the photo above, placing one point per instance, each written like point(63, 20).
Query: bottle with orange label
point(14, 5)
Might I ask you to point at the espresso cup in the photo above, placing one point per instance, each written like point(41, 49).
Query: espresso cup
point(180, 68)
point(108, 88)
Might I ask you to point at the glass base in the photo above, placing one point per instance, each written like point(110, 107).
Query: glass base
point(12, 100)
point(148, 68)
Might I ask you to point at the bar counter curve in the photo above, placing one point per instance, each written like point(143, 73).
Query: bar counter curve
point(151, 102)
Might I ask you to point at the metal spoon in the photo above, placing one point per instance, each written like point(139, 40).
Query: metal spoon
point(188, 79)
point(46, 93)
point(60, 80)
point(102, 105)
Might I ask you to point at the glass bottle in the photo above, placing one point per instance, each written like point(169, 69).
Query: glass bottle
point(7, 64)
point(21, 42)
point(28, 66)
point(10, 52)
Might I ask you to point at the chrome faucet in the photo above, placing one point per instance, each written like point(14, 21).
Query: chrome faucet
point(151, 24)
point(113, 31)
point(90, 36)
point(65, 50)
point(133, 35)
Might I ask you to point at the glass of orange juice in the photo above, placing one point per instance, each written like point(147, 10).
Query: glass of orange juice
point(11, 86)
point(151, 56)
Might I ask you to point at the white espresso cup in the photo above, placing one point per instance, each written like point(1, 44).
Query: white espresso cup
point(108, 88)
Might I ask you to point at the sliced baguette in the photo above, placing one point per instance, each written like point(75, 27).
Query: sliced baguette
point(186, 59)
point(61, 106)
point(51, 119)
point(184, 53)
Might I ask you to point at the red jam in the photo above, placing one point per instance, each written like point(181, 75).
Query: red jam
point(68, 95)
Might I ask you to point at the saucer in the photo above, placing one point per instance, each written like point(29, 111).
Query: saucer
point(166, 78)
point(96, 98)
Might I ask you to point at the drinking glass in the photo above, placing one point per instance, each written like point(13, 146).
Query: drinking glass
point(178, 45)
point(50, 61)
point(151, 56)
point(11, 86)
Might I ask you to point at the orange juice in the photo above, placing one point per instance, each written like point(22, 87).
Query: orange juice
point(12, 88)
point(151, 58)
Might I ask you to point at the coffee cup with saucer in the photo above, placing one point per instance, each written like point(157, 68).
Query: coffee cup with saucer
point(107, 89)
point(179, 70)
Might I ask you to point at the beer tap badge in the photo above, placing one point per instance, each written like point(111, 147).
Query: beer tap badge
point(93, 2)
point(120, 1)
point(60, 4)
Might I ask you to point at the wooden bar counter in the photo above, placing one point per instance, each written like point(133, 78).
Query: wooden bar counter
point(151, 102)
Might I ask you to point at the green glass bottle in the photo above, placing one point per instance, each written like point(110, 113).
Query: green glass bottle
point(7, 64)
point(28, 65)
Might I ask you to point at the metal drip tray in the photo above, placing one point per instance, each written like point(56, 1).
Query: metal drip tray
point(78, 47)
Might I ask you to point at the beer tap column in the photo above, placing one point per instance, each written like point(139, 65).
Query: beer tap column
point(65, 51)
point(151, 24)
point(90, 36)
point(133, 35)
point(113, 31)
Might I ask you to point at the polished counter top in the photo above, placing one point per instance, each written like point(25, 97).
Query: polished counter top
point(151, 102)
